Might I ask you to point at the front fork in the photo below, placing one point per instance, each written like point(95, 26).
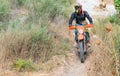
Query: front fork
point(85, 44)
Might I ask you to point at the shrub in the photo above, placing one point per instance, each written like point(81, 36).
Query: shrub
point(115, 19)
point(21, 2)
point(34, 42)
point(21, 65)
point(4, 10)
point(48, 10)
point(117, 5)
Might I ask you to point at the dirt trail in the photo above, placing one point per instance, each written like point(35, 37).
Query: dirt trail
point(73, 68)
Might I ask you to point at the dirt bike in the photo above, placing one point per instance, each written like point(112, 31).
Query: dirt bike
point(81, 39)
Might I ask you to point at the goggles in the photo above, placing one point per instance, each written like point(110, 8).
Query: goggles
point(77, 7)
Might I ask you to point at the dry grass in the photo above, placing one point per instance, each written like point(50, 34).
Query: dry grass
point(30, 38)
point(101, 61)
point(107, 1)
point(35, 43)
point(25, 44)
point(105, 56)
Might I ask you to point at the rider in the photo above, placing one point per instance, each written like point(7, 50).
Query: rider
point(80, 17)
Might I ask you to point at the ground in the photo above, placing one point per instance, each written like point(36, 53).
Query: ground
point(73, 66)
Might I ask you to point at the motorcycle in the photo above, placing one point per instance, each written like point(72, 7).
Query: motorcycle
point(81, 39)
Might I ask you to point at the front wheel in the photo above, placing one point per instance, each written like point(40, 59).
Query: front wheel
point(82, 57)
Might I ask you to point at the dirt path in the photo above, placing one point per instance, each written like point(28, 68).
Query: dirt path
point(73, 68)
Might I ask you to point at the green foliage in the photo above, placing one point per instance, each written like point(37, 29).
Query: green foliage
point(115, 19)
point(48, 9)
point(4, 10)
point(3, 26)
point(21, 2)
point(117, 5)
point(41, 44)
point(117, 39)
point(21, 65)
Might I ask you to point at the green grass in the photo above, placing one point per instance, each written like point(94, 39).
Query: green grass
point(21, 2)
point(4, 10)
point(21, 65)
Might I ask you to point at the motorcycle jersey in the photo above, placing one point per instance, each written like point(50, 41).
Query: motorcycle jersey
point(79, 18)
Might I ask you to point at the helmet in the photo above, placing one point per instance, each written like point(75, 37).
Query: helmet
point(77, 5)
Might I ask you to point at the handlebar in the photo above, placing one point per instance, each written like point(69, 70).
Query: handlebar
point(76, 26)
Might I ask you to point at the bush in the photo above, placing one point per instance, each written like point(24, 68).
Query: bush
point(4, 11)
point(21, 65)
point(117, 5)
point(115, 19)
point(3, 26)
point(21, 2)
point(48, 10)
point(28, 42)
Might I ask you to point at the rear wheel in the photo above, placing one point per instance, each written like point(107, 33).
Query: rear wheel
point(82, 57)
